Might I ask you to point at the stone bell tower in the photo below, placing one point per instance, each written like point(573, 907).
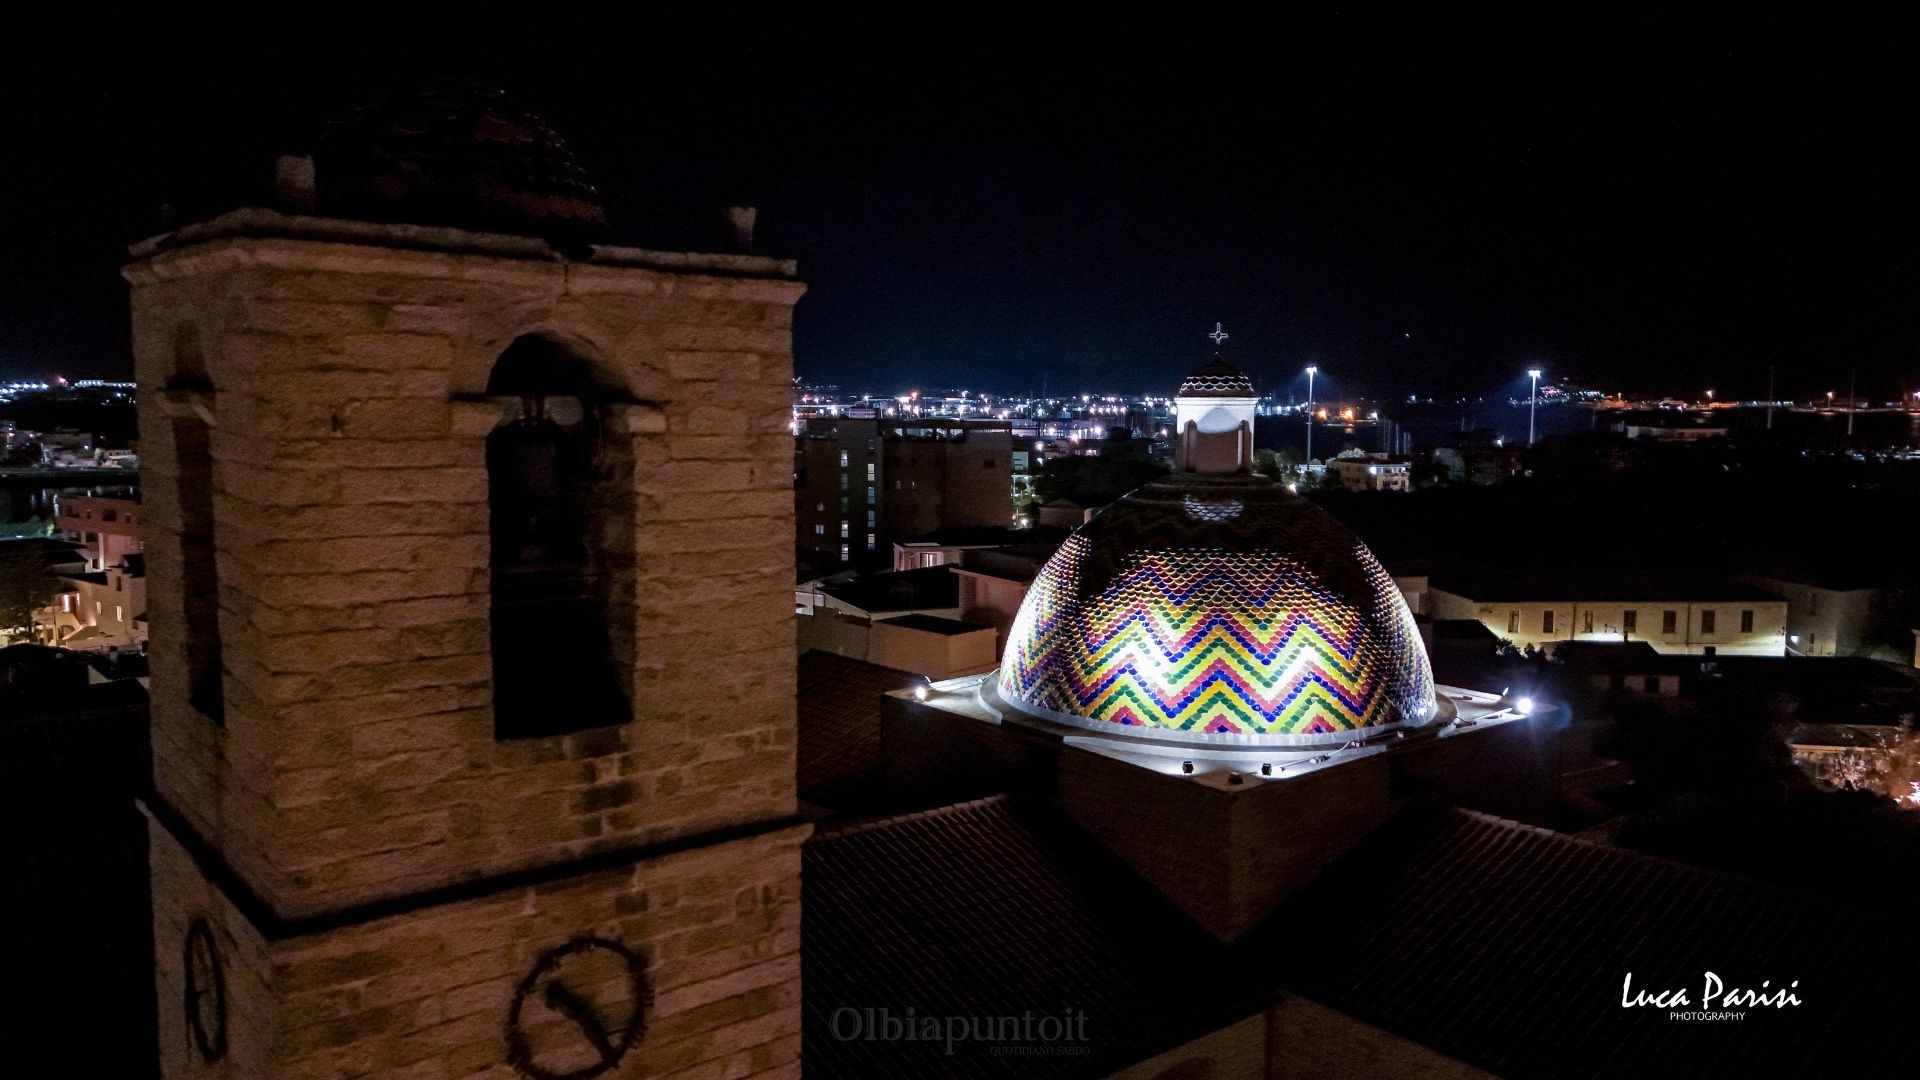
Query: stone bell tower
point(472, 697)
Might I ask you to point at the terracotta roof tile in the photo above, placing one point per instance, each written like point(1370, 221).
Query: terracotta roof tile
point(1495, 943)
point(839, 737)
point(995, 908)
point(1506, 946)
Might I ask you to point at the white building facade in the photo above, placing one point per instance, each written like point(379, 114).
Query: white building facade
point(1729, 621)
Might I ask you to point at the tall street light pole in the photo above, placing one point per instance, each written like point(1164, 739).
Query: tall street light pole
point(1533, 402)
point(1311, 370)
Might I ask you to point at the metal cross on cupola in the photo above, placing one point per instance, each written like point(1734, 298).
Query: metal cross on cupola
point(1219, 335)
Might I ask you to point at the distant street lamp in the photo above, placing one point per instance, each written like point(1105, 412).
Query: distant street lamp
point(1533, 402)
point(1311, 371)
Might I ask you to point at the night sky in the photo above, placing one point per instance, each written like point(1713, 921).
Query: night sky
point(1433, 215)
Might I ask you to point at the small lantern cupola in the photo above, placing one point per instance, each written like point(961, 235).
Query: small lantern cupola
point(1213, 415)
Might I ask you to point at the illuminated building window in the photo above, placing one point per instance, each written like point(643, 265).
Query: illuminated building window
point(1746, 621)
point(1707, 620)
point(843, 528)
point(869, 541)
point(869, 494)
point(843, 459)
point(119, 613)
point(1630, 621)
point(1669, 621)
point(870, 517)
point(1513, 622)
point(819, 530)
point(843, 553)
point(870, 468)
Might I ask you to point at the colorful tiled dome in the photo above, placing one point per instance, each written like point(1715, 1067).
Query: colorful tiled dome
point(1218, 609)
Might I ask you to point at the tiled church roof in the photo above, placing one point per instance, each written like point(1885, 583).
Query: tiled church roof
point(989, 909)
point(1506, 946)
point(1495, 943)
point(839, 729)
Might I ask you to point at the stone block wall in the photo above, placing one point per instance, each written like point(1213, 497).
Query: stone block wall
point(1170, 830)
point(357, 758)
point(1228, 858)
point(427, 994)
point(932, 757)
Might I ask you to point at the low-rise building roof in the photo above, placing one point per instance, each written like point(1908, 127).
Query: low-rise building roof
point(1596, 584)
point(1618, 658)
point(1020, 563)
point(898, 590)
point(934, 624)
point(986, 536)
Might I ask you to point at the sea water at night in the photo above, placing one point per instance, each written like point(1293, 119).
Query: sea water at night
point(1435, 424)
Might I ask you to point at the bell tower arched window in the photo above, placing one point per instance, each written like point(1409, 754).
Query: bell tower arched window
point(199, 563)
point(558, 501)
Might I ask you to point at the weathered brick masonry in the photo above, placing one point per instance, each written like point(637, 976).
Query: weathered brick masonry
point(338, 369)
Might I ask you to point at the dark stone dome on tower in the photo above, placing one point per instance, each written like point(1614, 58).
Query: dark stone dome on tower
point(1216, 378)
point(447, 152)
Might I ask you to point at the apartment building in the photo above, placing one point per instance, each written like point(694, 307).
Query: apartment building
point(861, 484)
